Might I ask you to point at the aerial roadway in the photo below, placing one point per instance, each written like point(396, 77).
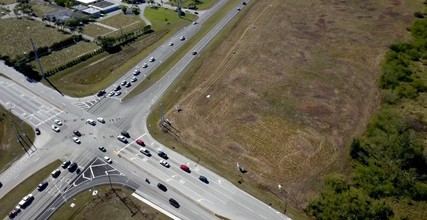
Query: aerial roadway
point(200, 193)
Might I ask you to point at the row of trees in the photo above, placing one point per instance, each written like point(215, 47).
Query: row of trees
point(109, 43)
point(388, 159)
point(73, 62)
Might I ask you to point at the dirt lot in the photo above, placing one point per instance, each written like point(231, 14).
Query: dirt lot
point(289, 87)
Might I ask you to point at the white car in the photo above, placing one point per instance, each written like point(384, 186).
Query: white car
point(108, 160)
point(122, 138)
point(75, 139)
point(194, 22)
point(55, 128)
point(101, 120)
point(171, 44)
point(133, 79)
point(144, 151)
point(136, 72)
point(164, 163)
point(58, 122)
point(145, 65)
point(123, 83)
point(118, 93)
point(110, 94)
point(25, 200)
point(182, 38)
point(152, 59)
point(91, 122)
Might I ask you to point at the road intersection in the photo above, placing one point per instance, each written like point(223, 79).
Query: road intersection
point(40, 106)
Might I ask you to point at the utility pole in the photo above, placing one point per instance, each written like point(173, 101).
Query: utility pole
point(179, 8)
point(19, 138)
point(22, 129)
point(162, 117)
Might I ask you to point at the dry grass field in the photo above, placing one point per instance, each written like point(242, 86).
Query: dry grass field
point(289, 87)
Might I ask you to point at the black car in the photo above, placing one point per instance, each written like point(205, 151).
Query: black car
point(66, 164)
point(125, 133)
point(244, 3)
point(174, 203)
point(203, 179)
point(42, 186)
point(100, 93)
point(77, 133)
point(101, 148)
point(37, 131)
point(163, 155)
point(72, 167)
point(194, 52)
point(162, 187)
point(196, 12)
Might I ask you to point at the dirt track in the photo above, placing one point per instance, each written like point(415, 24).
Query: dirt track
point(289, 87)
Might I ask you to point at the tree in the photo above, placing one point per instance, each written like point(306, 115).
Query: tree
point(124, 8)
point(136, 10)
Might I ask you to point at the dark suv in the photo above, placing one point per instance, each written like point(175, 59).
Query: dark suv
point(163, 155)
point(125, 133)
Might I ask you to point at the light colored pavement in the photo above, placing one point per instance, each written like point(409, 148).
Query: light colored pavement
point(219, 196)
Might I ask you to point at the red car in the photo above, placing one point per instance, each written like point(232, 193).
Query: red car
point(140, 142)
point(185, 168)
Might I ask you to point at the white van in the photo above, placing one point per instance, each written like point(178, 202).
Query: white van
point(91, 122)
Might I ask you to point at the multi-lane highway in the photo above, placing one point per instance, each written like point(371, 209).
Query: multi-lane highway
point(40, 106)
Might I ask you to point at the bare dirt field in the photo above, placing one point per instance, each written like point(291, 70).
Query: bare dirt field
point(289, 87)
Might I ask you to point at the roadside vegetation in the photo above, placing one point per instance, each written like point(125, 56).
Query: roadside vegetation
point(389, 160)
point(108, 203)
point(195, 4)
point(10, 149)
point(11, 199)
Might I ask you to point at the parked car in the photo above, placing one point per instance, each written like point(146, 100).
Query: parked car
point(164, 163)
point(108, 160)
point(174, 203)
point(77, 133)
point(76, 140)
point(101, 148)
point(203, 179)
point(65, 164)
point(125, 133)
point(56, 173)
point(42, 186)
point(136, 72)
point(140, 142)
point(55, 128)
point(162, 187)
point(122, 139)
point(144, 151)
point(37, 131)
point(102, 120)
point(58, 122)
point(185, 168)
point(91, 122)
point(163, 155)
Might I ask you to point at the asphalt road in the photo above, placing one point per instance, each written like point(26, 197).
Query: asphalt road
point(219, 196)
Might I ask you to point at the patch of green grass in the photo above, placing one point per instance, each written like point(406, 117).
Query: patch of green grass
point(11, 199)
point(95, 31)
point(202, 5)
point(10, 149)
point(162, 18)
point(65, 55)
point(121, 20)
point(41, 8)
point(172, 60)
point(17, 34)
point(107, 205)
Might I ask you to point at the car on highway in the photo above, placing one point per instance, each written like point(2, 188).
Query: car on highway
point(42, 186)
point(164, 163)
point(140, 142)
point(185, 168)
point(244, 3)
point(76, 140)
point(65, 164)
point(100, 93)
point(174, 203)
point(77, 133)
point(136, 72)
point(182, 38)
point(125, 133)
point(73, 167)
point(27, 199)
point(1, 185)
point(56, 173)
point(101, 148)
point(194, 22)
point(162, 187)
point(123, 83)
point(194, 52)
point(102, 120)
point(14, 212)
point(133, 79)
point(91, 122)
point(58, 122)
point(203, 179)
point(152, 59)
point(171, 44)
point(118, 93)
point(163, 155)
point(37, 131)
point(108, 160)
point(196, 13)
point(117, 88)
point(128, 84)
point(111, 94)
point(55, 128)
point(144, 151)
point(145, 65)
point(238, 9)
point(122, 139)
